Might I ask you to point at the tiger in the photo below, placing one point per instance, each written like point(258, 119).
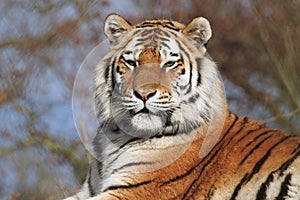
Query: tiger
point(160, 101)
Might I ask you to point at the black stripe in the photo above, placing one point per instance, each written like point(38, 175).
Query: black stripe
point(137, 31)
point(183, 50)
point(147, 23)
point(190, 81)
point(207, 105)
point(199, 79)
point(158, 31)
point(284, 188)
point(183, 87)
point(162, 38)
point(116, 158)
point(199, 63)
point(129, 141)
point(191, 76)
point(253, 149)
point(168, 118)
point(256, 138)
point(168, 25)
point(138, 44)
point(97, 95)
point(99, 167)
point(123, 145)
point(146, 32)
point(112, 74)
point(129, 186)
point(143, 39)
point(248, 133)
point(89, 182)
point(205, 117)
point(166, 45)
point(174, 33)
point(165, 33)
point(172, 28)
point(194, 98)
point(210, 193)
point(247, 177)
point(262, 192)
point(285, 165)
point(106, 73)
point(132, 164)
point(150, 38)
point(98, 86)
point(296, 149)
point(107, 68)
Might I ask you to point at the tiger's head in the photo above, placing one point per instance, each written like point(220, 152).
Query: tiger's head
point(157, 78)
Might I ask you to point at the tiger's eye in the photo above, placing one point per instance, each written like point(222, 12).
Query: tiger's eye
point(169, 64)
point(131, 63)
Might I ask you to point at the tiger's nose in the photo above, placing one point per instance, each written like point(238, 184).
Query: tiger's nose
point(144, 95)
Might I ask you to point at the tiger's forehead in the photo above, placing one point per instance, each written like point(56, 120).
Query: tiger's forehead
point(153, 42)
point(161, 24)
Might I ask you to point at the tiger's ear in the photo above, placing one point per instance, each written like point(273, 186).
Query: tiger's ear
point(115, 27)
point(198, 30)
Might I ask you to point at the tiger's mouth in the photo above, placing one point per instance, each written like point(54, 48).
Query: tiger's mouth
point(143, 111)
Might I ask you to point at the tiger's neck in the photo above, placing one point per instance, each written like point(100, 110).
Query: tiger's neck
point(140, 156)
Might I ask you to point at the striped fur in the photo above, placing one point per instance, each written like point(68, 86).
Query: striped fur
point(158, 98)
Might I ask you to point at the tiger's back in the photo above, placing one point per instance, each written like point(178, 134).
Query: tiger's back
point(160, 102)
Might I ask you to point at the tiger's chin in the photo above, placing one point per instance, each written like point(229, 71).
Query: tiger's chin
point(142, 125)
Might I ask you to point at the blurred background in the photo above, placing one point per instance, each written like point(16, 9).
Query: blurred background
point(43, 43)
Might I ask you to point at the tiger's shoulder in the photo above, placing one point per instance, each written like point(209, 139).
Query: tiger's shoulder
point(249, 160)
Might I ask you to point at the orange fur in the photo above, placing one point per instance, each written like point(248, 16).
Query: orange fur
point(220, 168)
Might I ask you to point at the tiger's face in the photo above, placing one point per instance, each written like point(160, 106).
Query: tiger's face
point(150, 80)
point(158, 77)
